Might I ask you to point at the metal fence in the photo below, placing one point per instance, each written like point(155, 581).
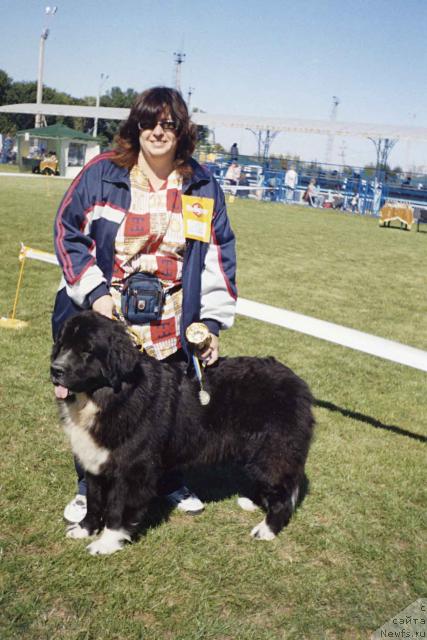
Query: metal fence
point(356, 189)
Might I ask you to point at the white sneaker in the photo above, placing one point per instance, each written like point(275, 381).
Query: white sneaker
point(76, 510)
point(186, 501)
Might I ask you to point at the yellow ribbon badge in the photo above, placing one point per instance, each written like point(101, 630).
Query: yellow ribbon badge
point(197, 213)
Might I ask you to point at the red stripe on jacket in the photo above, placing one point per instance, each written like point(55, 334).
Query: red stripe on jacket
point(67, 264)
point(226, 279)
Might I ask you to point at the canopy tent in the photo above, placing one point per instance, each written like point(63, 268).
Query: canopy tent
point(72, 148)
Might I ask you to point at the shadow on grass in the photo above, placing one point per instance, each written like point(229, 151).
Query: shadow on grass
point(395, 227)
point(355, 415)
point(217, 483)
point(211, 484)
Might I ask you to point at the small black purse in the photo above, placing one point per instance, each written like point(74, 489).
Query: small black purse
point(142, 298)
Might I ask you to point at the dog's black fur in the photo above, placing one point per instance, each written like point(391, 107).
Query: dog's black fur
point(131, 418)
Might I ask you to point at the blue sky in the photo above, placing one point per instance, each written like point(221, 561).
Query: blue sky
point(276, 58)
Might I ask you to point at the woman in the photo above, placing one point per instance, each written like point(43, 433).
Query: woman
point(310, 195)
point(147, 207)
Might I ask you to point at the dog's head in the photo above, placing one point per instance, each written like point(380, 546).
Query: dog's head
point(92, 352)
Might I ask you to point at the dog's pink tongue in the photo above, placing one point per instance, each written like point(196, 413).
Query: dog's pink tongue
point(61, 392)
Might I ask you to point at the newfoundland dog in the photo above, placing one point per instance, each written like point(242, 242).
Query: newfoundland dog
point(131, 418)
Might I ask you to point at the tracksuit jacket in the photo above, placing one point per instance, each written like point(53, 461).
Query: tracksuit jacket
point(85, 230)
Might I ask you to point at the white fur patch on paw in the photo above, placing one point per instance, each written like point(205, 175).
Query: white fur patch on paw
point(246, 504)
point(111, 540)
point(76, 532)
point(262, 532)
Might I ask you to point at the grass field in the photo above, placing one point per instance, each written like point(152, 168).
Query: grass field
point(353, 555)
point(9, 168)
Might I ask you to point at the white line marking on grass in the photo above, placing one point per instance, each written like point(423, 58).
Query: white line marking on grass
point(365, 342)
point(336, 333)
point(39, 176)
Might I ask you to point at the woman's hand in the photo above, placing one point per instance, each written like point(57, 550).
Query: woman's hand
point(211, 354)
point(104, 305)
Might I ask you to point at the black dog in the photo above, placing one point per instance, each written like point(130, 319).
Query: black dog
point(130, 419)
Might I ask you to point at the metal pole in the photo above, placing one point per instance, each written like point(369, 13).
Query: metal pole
point(95, 126)
point(190, 93)
point(332, 119)
point(50, 12)
point(103, 78)
point(39, 99)
point(179, 59)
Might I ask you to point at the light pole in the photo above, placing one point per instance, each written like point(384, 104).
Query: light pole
point(190, 93)
point(49, 11)
point(103, 79)
point(179, 59)
point(332, 119)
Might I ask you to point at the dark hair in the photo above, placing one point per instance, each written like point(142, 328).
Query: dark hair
point(148, 107)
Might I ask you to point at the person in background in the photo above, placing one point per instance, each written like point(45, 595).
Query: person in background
point(291, 182)
point(234, 152)
point(244, 182)
point(311, 193)
point(125, 214)
point(338, 198)
point(354, 202)
point(232, 175)
point(7, 149)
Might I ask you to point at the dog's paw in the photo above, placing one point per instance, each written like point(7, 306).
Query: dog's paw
point(246, 504)
point(262, 532)
point(111, 540)
point(76, 532)
point(102, 548)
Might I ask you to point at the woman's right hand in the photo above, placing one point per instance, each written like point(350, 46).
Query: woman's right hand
point(104, 305)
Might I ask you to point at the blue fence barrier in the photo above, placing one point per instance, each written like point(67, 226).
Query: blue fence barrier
point(342, 187)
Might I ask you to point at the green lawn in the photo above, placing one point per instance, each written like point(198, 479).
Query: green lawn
point(9, 168)
point(352, 556)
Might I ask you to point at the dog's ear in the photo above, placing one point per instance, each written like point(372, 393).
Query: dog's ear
point(122, 360)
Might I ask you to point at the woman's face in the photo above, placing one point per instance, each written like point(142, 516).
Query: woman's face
point(158, 141)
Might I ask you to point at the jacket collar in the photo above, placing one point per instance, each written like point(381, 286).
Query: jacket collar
point(116, 174)
point(199, 175)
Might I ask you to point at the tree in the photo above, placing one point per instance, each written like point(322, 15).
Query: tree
point(17, 93)
point(118, 98)
point(12, 92)
point(5, 84)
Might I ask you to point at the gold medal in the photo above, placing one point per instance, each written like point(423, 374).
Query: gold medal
point(198, 336)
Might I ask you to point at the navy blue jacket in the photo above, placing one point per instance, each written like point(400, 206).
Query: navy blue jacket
point(85, 230)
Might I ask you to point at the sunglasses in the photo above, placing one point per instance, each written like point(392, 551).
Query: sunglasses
point(166, 125)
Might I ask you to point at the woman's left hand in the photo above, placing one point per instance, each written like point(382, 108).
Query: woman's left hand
point(211, 354)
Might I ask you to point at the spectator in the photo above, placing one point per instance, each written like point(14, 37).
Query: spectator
point(311, 193)
point(232, 175)
point(337, 198)
point(291, 181)
point(354, 202)
point(7, 149)
point(234, 152)
point(244, 182)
